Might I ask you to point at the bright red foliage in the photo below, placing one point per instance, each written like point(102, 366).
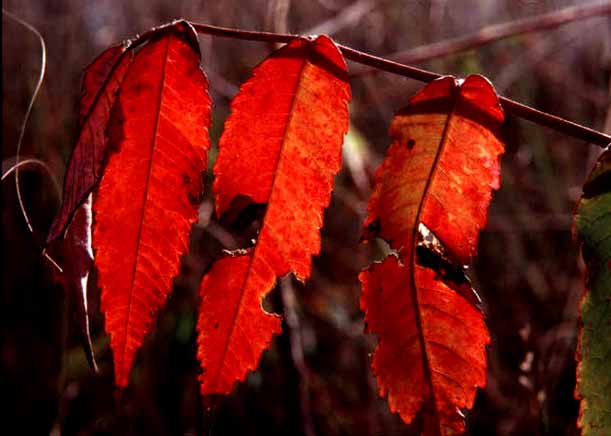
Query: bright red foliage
point(101, 83)
point(441, 167)
point(232, 338)
point(432, 354)
point(439, 171)
point(149, 194)
point(281, 146)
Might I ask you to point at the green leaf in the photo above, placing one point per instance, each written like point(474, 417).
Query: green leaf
point(593, 225)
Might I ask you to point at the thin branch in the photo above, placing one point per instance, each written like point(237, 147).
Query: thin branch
point(497, 32)
point(35, 162)
point(511, 107)
point(26, 117)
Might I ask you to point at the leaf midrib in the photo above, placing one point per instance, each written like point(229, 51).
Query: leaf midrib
point(414, 290)
point(238, 308)
point(145, 196)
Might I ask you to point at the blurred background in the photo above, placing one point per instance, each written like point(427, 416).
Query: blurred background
point(315, 379)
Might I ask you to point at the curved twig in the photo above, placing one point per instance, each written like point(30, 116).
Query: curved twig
point(25, 162)
point(18, 163)
point(41, 76)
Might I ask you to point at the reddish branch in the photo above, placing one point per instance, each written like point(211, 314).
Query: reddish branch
point(512, 107)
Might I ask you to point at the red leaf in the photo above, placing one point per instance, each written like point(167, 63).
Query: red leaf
point(441, 167)
point(101, 83)
point(232, 338)
point(432, 353)
point(281, 146)
point(96, 76)
point(147, 199)
point(439, 172)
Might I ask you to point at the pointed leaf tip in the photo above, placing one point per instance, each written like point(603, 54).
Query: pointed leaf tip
point(144, 207)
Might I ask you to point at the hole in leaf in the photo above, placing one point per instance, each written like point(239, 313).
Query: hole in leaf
point(431, 253)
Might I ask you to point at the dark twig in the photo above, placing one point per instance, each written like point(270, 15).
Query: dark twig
point(512, 107)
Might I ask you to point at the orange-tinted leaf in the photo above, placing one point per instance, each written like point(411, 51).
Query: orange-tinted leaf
point(281, 146)
point(432, 351)
point(101, 83)
point(231, 337)
point(441, 167)
point(439, 173)
point(147, 199)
